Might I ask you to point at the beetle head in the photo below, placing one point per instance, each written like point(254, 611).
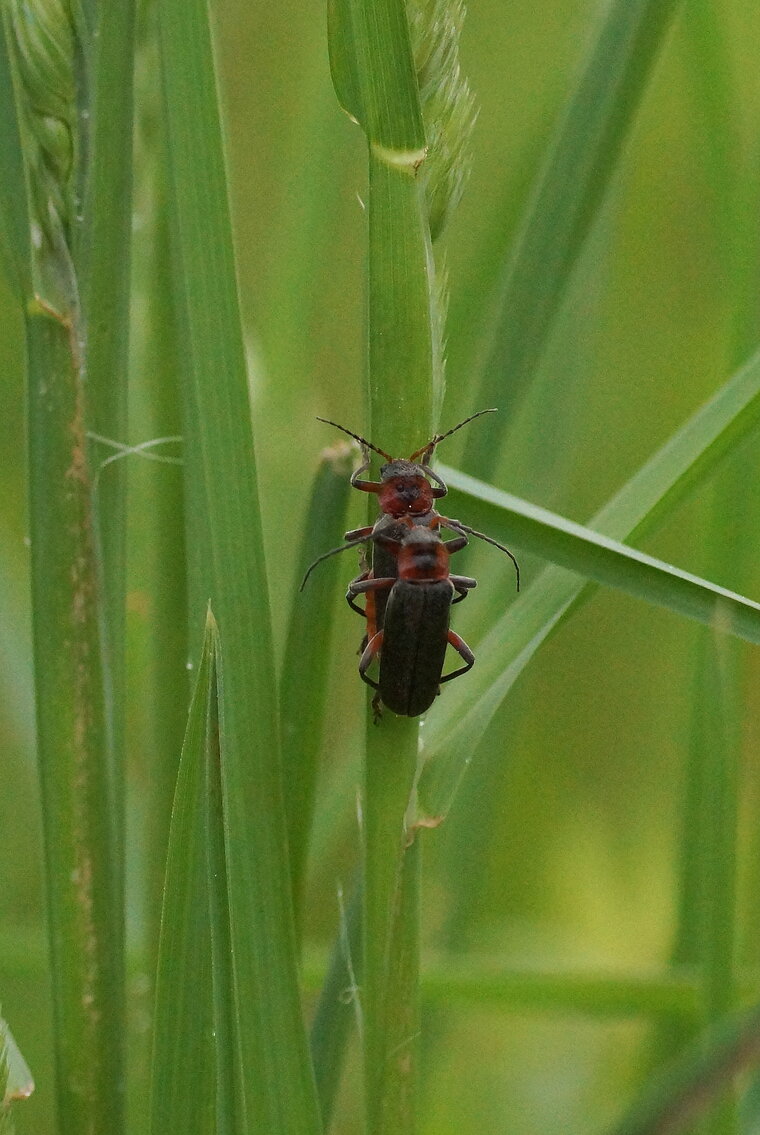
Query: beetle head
point(405, 489)
point(422, 555)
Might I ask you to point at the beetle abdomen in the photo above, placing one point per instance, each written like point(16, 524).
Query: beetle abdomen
point(414, 644)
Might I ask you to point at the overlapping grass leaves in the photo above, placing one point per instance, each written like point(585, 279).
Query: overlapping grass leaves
point(690, 455)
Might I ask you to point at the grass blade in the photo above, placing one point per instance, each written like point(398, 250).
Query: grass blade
point(338, 1006)
point(73, 737)
point(580, 162)
point(404, 383)
point(66, 62)
point(103, 246)
point(689, 456)
point(15, 250)
point(304, 677)
point(224, 504)
point(374, 77)
point(604, 560)
point(376, 81)
point(183, 1095)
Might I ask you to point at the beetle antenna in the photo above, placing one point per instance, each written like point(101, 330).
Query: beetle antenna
point(379, 536)
point(357, 437)
point(332, 552)
point(427, 450)
point(457, 524)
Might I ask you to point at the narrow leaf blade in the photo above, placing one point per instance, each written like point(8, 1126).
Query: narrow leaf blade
point(183, 1087)
point(602, 559)
point(688, 457)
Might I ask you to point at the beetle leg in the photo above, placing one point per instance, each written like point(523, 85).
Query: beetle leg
point(358, 533)
point(441, 489)
point(464, 652)
point(371, 650)
point(451, 545)
point(366, 486)
point(351, 595)
point(361, 585)
point(462, 584)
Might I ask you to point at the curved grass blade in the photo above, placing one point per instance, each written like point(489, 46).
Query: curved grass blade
point(227, 565)
point(603, 560)
point(689, 456)
point(565, 200)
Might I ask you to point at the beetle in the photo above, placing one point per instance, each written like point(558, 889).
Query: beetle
point(412, 642)
point(408, 610)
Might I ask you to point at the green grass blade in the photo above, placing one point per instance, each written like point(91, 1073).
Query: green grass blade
point(183, 1094)
point(389, 993)
point(276, 1075)
point(84, 917)
point(404, 367)
point(102, 243)
point(304, 675)
point(158, 553)
point(405, 393)
point(565, 200)
point(338, 1006)
point(470, 981)
point(77, 159)
point(404, 376)
point(15, 251)
point(688, 457)
point(374, 77)
point(597, 557)
point(687, 1090)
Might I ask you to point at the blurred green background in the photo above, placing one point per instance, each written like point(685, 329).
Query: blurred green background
point(562, 850)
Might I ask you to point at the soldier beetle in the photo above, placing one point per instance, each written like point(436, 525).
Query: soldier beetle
point(411, 643)
point(408, 610)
